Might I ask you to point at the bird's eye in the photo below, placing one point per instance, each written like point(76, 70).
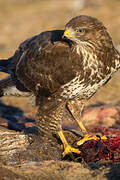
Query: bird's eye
point(81, 31)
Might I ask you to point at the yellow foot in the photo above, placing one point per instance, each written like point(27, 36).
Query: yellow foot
point(68, 150)
point(88, 137)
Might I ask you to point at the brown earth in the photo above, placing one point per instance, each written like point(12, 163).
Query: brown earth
point(20, 20)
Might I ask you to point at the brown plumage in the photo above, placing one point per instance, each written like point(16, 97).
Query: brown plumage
point(58, 66)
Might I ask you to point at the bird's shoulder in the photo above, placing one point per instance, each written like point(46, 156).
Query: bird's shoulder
point(38, 44)
point(42, 39)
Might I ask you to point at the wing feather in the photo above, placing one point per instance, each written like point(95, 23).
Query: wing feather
point(45, 61)
point(50, 68)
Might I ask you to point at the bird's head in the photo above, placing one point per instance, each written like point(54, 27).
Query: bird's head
point(87, 30)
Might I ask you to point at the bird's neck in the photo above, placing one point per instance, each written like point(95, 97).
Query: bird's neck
point(84, 48)
point(91, 55)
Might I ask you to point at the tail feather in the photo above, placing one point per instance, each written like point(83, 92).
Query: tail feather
point(4, 64)
point(5, 84)
point(5, 70)
point(8, 88)
point(11, 86)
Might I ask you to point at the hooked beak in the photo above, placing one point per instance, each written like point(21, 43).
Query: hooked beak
point(67, 34)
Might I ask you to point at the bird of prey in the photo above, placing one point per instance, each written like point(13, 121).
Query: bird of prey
point(61, 66)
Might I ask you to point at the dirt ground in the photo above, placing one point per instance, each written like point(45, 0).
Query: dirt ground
point(22, 19)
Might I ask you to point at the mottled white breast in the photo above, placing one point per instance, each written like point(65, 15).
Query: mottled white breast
point(82, 88)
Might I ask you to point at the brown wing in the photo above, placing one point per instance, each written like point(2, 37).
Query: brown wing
point(50, 66)
point(40, 40)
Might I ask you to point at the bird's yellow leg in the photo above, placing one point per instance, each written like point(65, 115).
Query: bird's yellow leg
point(76, 108)
point(82, 127)
point(68, 150)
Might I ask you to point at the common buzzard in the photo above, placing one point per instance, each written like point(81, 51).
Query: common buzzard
point(60, 66)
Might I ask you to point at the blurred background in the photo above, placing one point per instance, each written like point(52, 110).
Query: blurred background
point(22, 19)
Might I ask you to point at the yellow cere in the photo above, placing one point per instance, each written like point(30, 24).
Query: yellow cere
point(66, 33)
